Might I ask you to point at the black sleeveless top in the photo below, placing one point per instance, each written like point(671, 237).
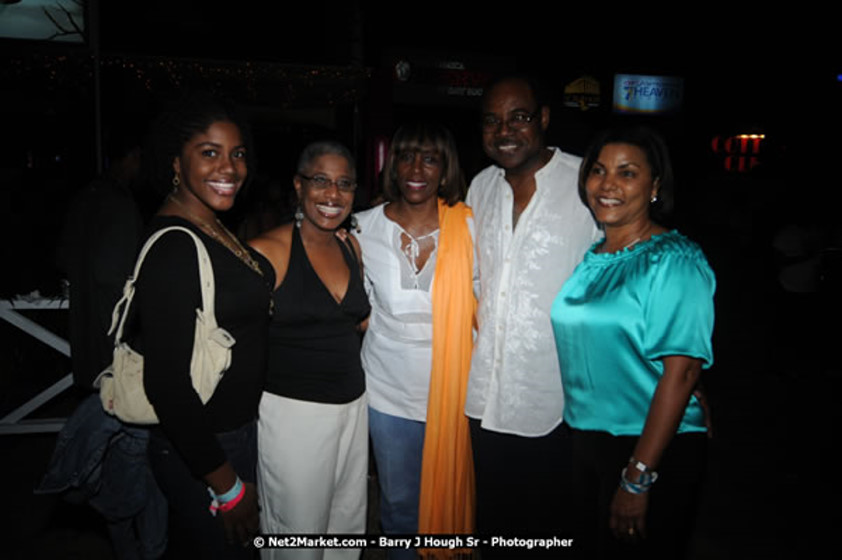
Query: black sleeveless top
point(314, 346)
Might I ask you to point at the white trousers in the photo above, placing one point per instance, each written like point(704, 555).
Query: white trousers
point(312, 471)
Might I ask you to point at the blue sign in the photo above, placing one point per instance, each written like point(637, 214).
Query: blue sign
point(634, 93)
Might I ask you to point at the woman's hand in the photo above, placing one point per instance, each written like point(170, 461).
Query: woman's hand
point(627, 515)
point(243, 521)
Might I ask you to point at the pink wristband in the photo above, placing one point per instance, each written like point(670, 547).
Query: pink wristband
point(231, 504)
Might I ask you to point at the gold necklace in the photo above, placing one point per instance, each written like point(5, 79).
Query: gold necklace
point(630, 244)
point(237, 248)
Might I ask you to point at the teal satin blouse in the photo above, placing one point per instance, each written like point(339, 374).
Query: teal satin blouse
point(614, 320)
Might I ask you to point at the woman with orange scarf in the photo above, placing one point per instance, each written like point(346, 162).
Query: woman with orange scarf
point(418, 256)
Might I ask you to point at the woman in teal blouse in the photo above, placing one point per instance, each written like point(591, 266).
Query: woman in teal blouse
point(633, 331)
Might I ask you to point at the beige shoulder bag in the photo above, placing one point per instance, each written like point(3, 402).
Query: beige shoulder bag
point(121, 384)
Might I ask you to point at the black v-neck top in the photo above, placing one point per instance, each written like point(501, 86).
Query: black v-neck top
point(314, 346)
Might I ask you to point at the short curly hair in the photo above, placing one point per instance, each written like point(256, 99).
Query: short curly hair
point(320, 148)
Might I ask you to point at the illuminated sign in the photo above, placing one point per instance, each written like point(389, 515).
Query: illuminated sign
point(449, 77)
point(427, 77)
point(742, 152)
point(634, 93)
point(582, 93)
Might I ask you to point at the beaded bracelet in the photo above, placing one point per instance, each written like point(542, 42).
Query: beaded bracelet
point(647, 479)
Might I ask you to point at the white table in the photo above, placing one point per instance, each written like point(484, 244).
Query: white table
point(15, 422)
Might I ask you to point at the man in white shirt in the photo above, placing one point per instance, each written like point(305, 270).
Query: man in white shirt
point(532, 230)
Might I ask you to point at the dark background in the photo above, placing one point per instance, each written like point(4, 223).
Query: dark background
point(320, 69)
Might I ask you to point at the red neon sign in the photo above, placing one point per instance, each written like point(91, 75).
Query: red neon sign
point(742, 152)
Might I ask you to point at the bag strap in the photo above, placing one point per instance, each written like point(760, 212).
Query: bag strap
point(206, 281)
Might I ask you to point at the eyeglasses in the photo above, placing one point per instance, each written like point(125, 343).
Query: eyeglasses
point(321, 182)
point(517, 121)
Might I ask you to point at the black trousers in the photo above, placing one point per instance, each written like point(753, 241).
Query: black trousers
point(523, 486)
point(599, 457)
point(194, 532)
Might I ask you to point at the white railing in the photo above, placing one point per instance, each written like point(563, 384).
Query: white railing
point(15, 422)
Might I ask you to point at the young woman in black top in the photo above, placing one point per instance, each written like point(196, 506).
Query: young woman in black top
point(204, 447)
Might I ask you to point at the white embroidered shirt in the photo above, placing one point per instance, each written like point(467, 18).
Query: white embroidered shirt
point(515, 384)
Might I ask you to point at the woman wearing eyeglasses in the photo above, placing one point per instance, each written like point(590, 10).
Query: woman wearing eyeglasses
point(313, 427)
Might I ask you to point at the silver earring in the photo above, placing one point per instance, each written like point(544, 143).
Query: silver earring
point(654, 199)
point(176, 181)
point(299, 217)
point(355, 225)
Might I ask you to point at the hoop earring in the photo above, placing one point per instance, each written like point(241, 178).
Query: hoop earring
point(299, 217)
point(176, 181)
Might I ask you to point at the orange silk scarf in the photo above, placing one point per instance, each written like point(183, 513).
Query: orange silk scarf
point(446, 504)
